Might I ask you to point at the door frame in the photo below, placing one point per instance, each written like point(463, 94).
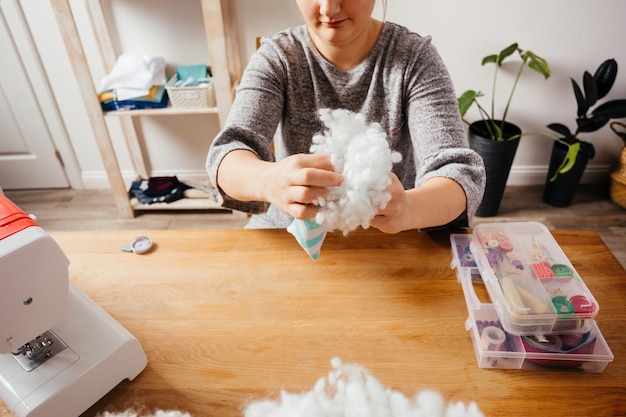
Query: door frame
point(18, 25)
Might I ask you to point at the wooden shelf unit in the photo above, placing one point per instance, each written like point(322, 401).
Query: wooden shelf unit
point(223, 54)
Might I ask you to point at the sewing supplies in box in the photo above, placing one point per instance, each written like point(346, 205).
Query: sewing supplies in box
point(541, 311)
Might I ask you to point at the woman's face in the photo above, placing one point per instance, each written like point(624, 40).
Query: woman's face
point(337, 22)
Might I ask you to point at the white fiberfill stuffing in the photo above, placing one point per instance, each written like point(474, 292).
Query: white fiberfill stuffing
point(351, 391)
point(361, 153)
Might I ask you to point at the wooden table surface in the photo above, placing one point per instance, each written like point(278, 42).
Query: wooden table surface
point(230, 316)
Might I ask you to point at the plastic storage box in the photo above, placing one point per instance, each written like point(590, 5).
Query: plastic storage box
point(533, 286)
point(583, 348)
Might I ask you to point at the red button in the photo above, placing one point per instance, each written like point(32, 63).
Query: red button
point(582, 304)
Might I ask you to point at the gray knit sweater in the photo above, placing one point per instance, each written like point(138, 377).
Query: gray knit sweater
point(402, 84)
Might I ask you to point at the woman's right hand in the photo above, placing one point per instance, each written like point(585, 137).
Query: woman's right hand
point(296, 183)
point(293, 185)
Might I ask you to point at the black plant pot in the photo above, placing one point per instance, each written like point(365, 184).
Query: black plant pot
point(559, 193)
point(498, 157)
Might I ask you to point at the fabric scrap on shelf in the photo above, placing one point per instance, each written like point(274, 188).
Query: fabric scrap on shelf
point(158, 190)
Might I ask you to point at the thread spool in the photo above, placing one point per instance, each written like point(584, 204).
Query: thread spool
point(492, 338)
point(548, 343)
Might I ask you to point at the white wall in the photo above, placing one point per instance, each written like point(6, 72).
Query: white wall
point(573, 35)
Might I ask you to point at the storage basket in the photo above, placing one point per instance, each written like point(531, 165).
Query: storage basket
point(200, 96)
point(618, 181)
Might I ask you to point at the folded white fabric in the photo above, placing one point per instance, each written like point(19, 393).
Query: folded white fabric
point(133, 75)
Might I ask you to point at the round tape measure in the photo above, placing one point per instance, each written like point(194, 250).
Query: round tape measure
point(141, 244)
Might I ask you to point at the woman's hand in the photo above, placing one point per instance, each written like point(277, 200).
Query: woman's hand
point(293, 185)
point(437, 202)
point(296, 183)
point(397, 214)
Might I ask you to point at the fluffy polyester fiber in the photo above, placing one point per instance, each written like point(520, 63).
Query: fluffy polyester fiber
point(159, 413)
point(348, 391)
point(361, 153)
point(352, 391)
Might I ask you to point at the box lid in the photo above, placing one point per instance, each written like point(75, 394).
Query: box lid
point(531, 282)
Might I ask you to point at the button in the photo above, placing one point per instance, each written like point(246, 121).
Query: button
point(493, 243)
point(582, 304)
point(506, 245)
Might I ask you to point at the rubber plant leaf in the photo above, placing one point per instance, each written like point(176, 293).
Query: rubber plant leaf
point(466, 100)
point(591, 91)
point(580, 99)
point(568, 161)
point(561, 129)
point(537, 63)
point(591, 124)
point(605, 77)
point(614, 109)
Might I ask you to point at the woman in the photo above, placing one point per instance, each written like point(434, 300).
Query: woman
point(344, 58)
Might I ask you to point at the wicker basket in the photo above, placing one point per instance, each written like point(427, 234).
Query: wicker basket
point(201, 96)
point(618, 181)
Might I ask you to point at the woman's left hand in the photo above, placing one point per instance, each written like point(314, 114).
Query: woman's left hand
point(396, 216)
point(436, 202)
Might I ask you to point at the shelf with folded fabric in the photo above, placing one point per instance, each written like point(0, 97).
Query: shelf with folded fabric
point(169, 110)
point(223, 55)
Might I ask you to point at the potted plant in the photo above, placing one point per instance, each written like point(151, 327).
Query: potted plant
point(493, 137)
point(570, 151)
point(617, 190)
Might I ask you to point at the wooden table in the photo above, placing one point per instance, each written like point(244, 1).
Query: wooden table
point(229, 316)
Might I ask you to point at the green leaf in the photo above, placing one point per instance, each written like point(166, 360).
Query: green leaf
point(580, 99)
point(587, 149)
point(605, 77)
point(568, 161)
point(490, 59)
point(509, 50)
point(466, 100)
point(591, 91)
point(537, 63)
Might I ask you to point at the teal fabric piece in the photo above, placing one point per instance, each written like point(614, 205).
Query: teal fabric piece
point(195, 71)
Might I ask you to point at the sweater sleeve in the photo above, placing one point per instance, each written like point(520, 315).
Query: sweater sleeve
point(437, 132)
point(252, 121)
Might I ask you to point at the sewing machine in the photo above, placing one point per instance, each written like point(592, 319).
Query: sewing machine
point(59, 351)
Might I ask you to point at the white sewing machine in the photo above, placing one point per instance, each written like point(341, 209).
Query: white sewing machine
point(59, 351)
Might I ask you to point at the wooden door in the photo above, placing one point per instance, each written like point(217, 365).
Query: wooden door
point(28, 158)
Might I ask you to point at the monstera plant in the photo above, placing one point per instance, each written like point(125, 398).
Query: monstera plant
point(493, 136)
point(494, 126)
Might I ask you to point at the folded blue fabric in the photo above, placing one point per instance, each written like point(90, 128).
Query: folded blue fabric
point(197, 72)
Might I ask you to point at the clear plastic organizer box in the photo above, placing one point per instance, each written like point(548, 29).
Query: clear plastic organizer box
point(532, 284)
point(583, 348)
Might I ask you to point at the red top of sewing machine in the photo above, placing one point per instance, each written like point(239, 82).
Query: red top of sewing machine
point(12, 218)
